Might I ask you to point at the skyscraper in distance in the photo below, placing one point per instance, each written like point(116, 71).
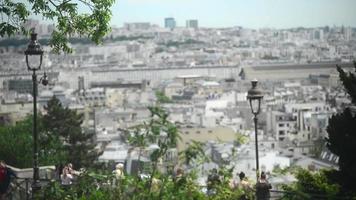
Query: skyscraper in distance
point(192, 23)
point(169, 22)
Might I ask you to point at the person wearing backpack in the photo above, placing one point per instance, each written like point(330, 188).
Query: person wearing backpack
point(213, 181)
point(5, 177)
point(262, 188)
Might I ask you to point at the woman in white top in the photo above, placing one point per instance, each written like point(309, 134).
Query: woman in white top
point(66, 177)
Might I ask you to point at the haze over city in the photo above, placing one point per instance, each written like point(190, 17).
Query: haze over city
point(228, 13)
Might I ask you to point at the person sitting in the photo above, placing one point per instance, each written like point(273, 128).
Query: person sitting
point(262, 188)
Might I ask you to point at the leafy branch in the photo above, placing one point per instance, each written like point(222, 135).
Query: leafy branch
point(65, 15)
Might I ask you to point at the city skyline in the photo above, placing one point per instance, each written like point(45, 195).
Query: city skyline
point(251, 14)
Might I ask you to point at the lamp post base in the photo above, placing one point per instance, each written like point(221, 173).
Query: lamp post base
point(36, 187)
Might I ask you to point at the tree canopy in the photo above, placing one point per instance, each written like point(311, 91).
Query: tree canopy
point(311, 185)
point(61, 139)
point(341, 138)
point(67, 15)
point(64, 124)
point(16, 143)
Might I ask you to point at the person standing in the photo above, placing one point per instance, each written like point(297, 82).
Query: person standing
point(58, 171)
point(5, 178)
point(66, 178)
point(262, 188)
point(245, 186)
point(118, 173)
point(72, 171)
point(180, 179)
point(213, 181)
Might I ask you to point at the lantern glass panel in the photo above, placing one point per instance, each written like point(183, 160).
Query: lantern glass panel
point(255, 105)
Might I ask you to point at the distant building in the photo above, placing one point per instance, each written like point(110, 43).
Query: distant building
point(192, 23)
point(137, 26)
point(13, 110)
point(348, 33)
point(325, 80)
point(119, 84)
point(40, 28)
point(20, 86)
point(289, 71)
point(283, 124)
point(57, 91)
point(31, 23)
point(170, 22)
point(201, 134)
point(81, 86)
point(318, 34)
point(92, 97)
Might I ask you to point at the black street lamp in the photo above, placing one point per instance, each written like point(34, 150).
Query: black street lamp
point(254, 96)
point(34, 49)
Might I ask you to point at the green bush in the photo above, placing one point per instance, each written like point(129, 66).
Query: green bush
point(164, 187)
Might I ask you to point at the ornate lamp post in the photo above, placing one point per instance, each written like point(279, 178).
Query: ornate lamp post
point(254, 96)
point(34, 49)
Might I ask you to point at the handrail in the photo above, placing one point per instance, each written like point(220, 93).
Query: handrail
point(279, 194)
point(20, 188)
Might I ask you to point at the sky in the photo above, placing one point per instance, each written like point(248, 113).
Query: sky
point(246, 13)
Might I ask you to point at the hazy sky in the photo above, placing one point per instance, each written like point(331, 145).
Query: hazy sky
point(246, 13)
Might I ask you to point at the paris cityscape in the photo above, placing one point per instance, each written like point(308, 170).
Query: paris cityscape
point(204, 79)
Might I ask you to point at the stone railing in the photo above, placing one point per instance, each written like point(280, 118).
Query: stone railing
point(20, 187)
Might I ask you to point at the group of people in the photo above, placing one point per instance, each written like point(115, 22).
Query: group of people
point(6, 173)
point(261, 189)
point(66, 175)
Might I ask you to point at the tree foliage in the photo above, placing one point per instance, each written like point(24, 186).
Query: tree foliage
point(194, 151)
point(61, 139)
point(16, 143)
point(67, 15)
point(341, 138)
point(63, 124)
point(157, 186)
point(92, 185)
point(162, 98)
point(311, 186)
